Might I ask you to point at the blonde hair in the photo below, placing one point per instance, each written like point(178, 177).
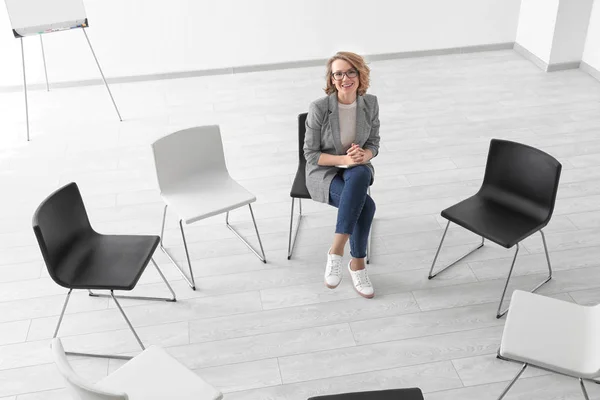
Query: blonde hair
point(357, 62)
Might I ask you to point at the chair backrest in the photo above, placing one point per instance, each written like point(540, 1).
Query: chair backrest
point(78, 388)
point(521, 178)
point(301, 134)
point(193, 153)
point(59, 221)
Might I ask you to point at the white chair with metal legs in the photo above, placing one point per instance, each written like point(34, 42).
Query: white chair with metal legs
point(193, 180)
point(553, 335)
point(152, 375)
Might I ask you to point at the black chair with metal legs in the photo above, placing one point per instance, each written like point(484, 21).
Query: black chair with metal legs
point(390, 394)
point(77, 257)
point(515, 201)
point(299, 190)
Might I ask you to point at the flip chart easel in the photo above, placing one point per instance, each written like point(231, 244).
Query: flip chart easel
point(39, 17)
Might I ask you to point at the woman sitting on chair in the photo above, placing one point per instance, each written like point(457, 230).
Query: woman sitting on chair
point(342, 136)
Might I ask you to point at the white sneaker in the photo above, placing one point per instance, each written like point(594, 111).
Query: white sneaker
point(333, 270)
point(362, 283)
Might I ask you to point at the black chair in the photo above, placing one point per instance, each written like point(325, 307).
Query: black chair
point(392, 394)
point(299, 190)
point(77, 257)
point(515, 200)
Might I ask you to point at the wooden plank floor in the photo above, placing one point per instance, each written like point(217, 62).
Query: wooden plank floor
point(274, 331)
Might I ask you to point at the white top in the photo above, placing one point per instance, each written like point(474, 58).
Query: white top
point(347, 113)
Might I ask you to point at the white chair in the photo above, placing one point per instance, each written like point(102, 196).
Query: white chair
point(152, 375)
point(554, 335)
point(193, 179)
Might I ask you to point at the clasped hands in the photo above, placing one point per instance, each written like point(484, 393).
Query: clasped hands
point(356, 155)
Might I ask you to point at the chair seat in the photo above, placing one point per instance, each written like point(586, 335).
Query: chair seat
point(193, 202)
point(299, 190)
point(552, 334)
point(492, 221)
point(392, 394)
point(145, 377)
point(109, 262)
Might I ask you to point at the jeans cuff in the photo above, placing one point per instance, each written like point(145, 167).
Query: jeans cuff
point(342, 231)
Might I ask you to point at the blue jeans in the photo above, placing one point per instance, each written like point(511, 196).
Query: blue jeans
point(348, 192)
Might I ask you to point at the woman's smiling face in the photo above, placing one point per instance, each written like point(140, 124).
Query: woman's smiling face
point(346, 86)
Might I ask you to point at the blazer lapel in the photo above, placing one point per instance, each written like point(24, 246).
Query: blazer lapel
point(363, 128)
point(334, 122)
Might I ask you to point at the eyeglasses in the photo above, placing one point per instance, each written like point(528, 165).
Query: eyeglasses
point(338, 75)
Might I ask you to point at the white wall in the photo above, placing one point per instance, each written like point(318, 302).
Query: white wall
point(535, 31)
point(133, 37)
point(570, 31)
point(591, 52)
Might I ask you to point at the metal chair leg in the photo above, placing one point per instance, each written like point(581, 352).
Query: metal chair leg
point(501, 314)
point(127, 320)
point(498, 313)
point(369, 249)
point(114, 356)
point(431, 275)
point(172, 299)
point(262, 258)
point(190, 281)
point(62, 313)
point(547, 256)
point(510, 385)
point(292, 244)
point(583, 389)
point(585, 393)
point(369, 238)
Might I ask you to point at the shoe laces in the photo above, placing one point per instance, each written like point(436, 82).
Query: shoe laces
point(335, 267)
point(362, 278)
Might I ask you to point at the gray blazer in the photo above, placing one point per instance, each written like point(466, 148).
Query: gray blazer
point(323, 136)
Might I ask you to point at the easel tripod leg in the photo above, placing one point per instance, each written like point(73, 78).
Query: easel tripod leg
point(44, 59)
point(25, 89)
point(102, 74)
